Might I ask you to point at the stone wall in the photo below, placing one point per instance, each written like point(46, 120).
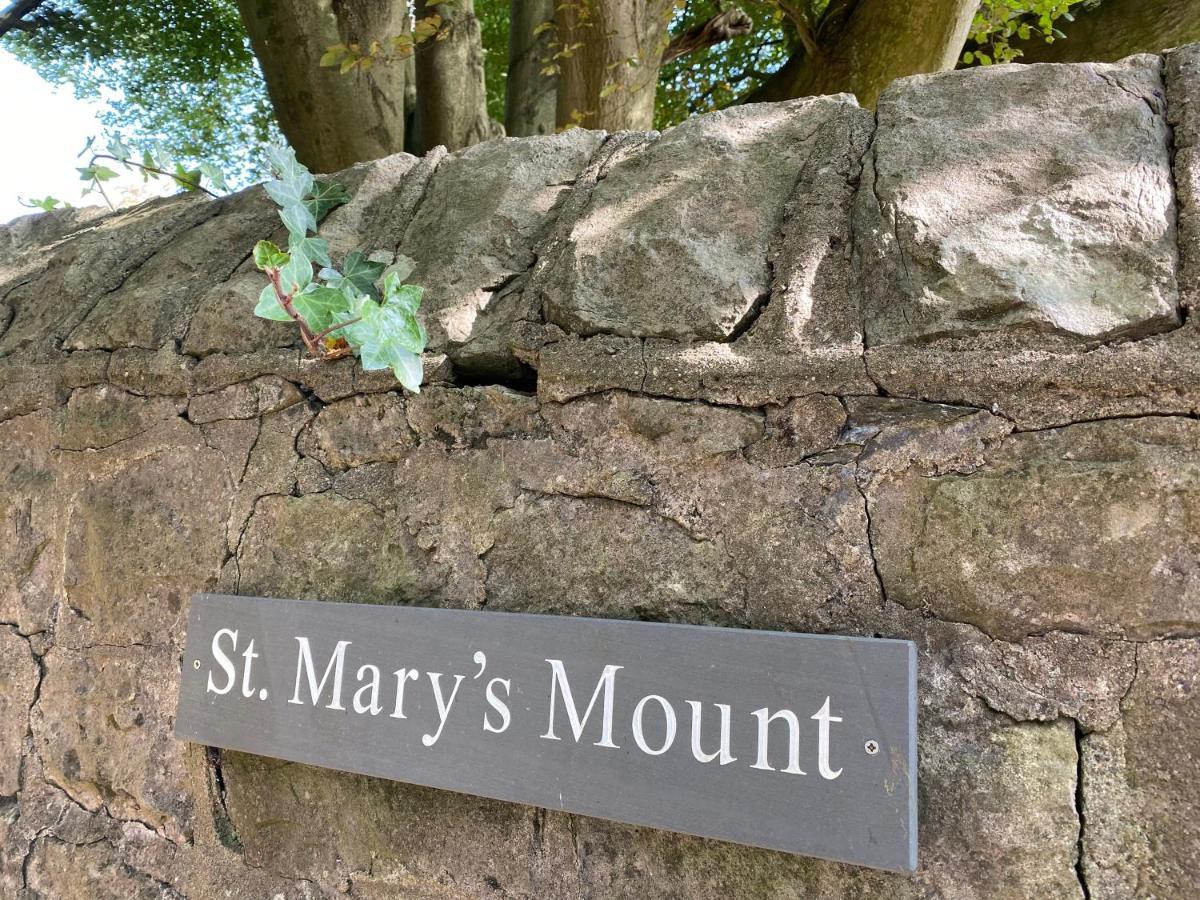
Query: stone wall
point(930, 373)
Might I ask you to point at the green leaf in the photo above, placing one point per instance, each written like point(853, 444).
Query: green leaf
point(283, 162)
point(103, 173)
point(291, 191)
point(297, 274)
point(214, 175)
point(333, 55)
point(117, 148)
point(269, 307)
point(324, 196)
point(315, 248)
point(268, 256)
point(298, 220)
point(361, 272)
point(86, 173)
point(320, 306)
point(188, 178)
point(406, 296)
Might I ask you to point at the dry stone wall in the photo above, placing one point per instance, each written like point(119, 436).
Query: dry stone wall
point(930, 373)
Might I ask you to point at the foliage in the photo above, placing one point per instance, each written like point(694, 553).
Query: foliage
point(717, 76)
point(364, 309)
point(997, 22)
point(175, 76)
point(95, 173)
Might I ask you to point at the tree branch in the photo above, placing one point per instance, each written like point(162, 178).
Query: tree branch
point(722, 27)
point(11, 17)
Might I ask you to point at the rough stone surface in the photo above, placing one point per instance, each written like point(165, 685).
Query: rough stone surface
point(998, 204)
point(653, 401)
point(685, 224)
point(1089, 529)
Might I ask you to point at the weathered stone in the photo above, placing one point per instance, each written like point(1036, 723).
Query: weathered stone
point(156, 303)
point(1046, 678)
point(1066, 230)
point(360, 430)
point(798, 429)
point(72, 872)
point(143, 526)
point(224, 321)
point(484, 211)
point(685, 226)
point(115, 752)
point(604, 558)
point(324, 547)
point(935, 438)
point(84, 270)
point(162, 372)
point(19, 678)
point(628, 430)
point(244, 400)
point(98, 417)
point(1140, 782)
point(1182, 77)
point(466, 417)
point(1087, 528)
point(29, 515)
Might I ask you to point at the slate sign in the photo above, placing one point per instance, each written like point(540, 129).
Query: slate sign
point(801, 743)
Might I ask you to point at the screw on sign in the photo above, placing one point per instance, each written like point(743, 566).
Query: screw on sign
point(871, 747)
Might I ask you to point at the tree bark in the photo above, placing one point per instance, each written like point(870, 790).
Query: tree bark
point(451, 94)
point(609, 81)
point(1118, 28)
point(331, 120)
point(529, 96)
point(863, 45)
point(11, 17)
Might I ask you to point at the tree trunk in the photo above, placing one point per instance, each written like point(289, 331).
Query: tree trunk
point(331, 120)
point(866, 44)
point(610, 80)
point(529, 96)
point(1118, 28)
point(451, 95)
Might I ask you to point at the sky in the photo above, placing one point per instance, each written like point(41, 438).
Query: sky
point(46, 128)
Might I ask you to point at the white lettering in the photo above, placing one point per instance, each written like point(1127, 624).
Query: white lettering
point(823, 719)
point(304, 664)
point(443, 706)
point(605, 684)
point(639, 737)
point(497, 704)
point(223, 661)
point(373, 706)
point(764, 724)
point(724, 754)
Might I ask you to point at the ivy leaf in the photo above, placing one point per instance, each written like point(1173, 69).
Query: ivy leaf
point(407, 297)
point(268, 256)
point(389, 336)
point(269, 307)
point(333, 55)
point(322, 306)
point(283, 162)
point(214, 175)
point(289, 191)
point(298, 220)
point(117, 148)
point(361, 272)
point(324, 196)
point(297, 274)
point(315, 248)
point(189, 178)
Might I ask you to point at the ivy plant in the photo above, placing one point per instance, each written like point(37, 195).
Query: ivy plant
point(364, 308)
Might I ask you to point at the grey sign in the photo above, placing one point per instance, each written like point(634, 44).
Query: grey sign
point(801, 743)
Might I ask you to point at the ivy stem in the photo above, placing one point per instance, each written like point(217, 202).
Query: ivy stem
point(285, 300)
point(186, 182)
point(331, 329)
